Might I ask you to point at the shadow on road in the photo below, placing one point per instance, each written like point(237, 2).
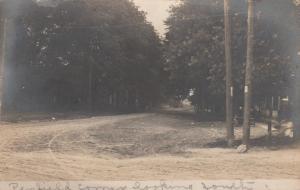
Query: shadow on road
point(278, 142)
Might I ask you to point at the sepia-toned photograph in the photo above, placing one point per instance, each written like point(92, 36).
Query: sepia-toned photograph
point(149, 94)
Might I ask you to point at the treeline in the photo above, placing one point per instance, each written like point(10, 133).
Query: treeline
point(195, 52)
point(103, 55)
point(81, 55)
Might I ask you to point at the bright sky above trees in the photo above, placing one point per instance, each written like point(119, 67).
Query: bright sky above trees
point(157, 11)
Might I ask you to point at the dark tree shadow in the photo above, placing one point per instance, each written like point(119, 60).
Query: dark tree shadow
point(277, 142)
point(189, 115)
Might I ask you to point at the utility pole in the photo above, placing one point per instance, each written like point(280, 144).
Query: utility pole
point(296, 107)
point(296, 102)
point(248, 77)
point(228, 60)
point(2, 63)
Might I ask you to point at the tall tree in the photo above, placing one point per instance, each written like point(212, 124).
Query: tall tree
point(81, 53)
point(195, 52)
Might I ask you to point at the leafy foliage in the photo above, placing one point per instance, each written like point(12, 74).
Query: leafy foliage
point(195, 50)
point(100, 53)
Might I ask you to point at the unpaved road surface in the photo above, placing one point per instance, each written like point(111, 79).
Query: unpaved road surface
point(153, 146)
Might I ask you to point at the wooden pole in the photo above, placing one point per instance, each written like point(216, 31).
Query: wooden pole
point(229, 86)
point(296, 102)
point(248, 77)
point(2, 63)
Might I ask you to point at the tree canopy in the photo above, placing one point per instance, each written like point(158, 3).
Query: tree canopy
point(100, 53)
point(103, 54)
point(195, 50)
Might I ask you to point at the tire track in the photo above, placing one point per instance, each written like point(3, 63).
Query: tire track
point(55, 159)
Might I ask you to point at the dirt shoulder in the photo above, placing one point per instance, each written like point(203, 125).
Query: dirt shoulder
point(135, 147)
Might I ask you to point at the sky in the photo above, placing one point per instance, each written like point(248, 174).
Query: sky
point(157, 12)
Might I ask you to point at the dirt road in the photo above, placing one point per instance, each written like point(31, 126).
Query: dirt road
point(134, 147)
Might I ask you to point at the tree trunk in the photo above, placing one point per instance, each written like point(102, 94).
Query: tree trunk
point(271, 106)
point(248, 77)
point(90, 87)
point(228, 59)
